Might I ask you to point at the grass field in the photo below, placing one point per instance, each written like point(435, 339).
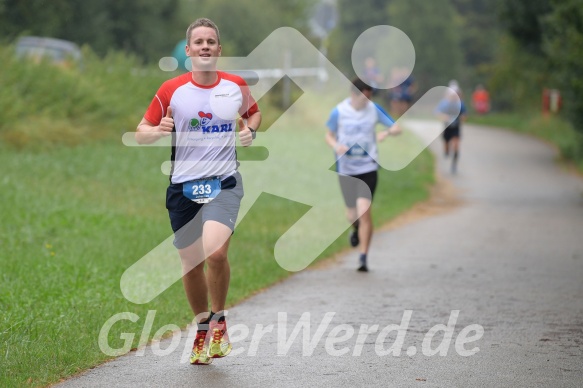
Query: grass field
point(76, 216)
point(552, 129)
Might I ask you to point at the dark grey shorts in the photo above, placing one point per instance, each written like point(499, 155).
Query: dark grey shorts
point(187, 217)
point(352, 190)
point(451, 131)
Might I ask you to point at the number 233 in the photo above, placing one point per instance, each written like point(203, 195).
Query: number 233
point(201, 189)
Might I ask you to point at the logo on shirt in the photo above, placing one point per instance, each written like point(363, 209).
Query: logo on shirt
point(194, 125)
point(205, 118)
point(202, 121)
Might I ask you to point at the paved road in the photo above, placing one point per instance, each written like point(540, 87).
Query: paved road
point(504, 269)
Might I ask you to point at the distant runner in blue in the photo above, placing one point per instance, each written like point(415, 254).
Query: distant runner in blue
point(352, 134)
point(451, 110)
point(401, 96)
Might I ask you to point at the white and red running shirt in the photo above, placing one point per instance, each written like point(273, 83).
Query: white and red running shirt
point(205, 121)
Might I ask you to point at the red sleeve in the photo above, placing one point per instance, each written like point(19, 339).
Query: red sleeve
point(249, 105)
point(156, 110)
point(161, 100)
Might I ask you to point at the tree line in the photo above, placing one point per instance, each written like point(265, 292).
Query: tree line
point(514, 47)
point(143, 27)
point(148, 29)
point(543, 48)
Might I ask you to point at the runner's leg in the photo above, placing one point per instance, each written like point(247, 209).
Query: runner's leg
point(455, 143)
point(216, 238)
point(193, 277)
point(363, 206)
point(351, 215)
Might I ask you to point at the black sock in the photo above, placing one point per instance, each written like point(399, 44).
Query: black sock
point(203, 325)
point(355, 225)
point(221, 316)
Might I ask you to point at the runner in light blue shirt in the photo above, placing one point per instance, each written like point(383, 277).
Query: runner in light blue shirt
point(352, 134)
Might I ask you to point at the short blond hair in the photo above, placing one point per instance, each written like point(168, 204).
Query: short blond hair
point(202, 22)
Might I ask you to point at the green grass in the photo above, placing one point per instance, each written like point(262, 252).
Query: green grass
point(76, 215)
point(75, 218)
point(552, 129)
point(45, 106)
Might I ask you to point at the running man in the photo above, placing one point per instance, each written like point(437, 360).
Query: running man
point(481, 100)
point(401, 96)
point(374, 76)
point(352, 135)
point(450, 110)
point(199, 110)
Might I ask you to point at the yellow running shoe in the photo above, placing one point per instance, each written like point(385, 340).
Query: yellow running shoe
point(199, 355)
point(219, 344)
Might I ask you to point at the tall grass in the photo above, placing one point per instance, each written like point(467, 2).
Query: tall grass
point(78, 208)
point(45, 105)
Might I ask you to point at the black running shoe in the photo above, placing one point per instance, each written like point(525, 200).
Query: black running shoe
point(354, 238)
point(362, 268)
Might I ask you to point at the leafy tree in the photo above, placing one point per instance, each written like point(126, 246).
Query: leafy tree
point(145, 27)
point(521, 68)
point(434, 28)
point(33, 16)
point(518, 76)
point(550, 32)
point(246, 23)
point(563, 43)
point(355, 17)
point(523, 19)
point(479, 37)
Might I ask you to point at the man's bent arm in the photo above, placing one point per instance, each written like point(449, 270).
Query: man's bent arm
point(254, 121)
point(148, 133)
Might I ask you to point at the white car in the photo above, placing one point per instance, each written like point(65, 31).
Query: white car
point(61, 52)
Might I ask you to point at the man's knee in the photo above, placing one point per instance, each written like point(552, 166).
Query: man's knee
point(363, 207)
point(218, 257)
point(192, 258)
point(192, 266)
point(351, 214)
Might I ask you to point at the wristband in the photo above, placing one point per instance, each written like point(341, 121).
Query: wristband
point(253, 133)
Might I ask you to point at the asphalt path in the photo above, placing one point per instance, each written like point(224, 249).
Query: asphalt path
point(486, 293)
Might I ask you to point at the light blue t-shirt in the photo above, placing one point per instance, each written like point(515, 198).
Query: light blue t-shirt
point(454, 109)
point(356, 130)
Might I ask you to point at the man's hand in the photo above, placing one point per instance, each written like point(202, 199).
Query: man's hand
point(167, 123)
point(394, 130)
point(340, 149)
point(148, 133)
point(245, 135)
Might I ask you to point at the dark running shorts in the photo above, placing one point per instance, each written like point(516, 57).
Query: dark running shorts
point(187, 217)
point(451, 131)
point(352, 191)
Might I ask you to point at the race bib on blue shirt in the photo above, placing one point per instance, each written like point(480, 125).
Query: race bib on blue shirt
point(356, 151)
